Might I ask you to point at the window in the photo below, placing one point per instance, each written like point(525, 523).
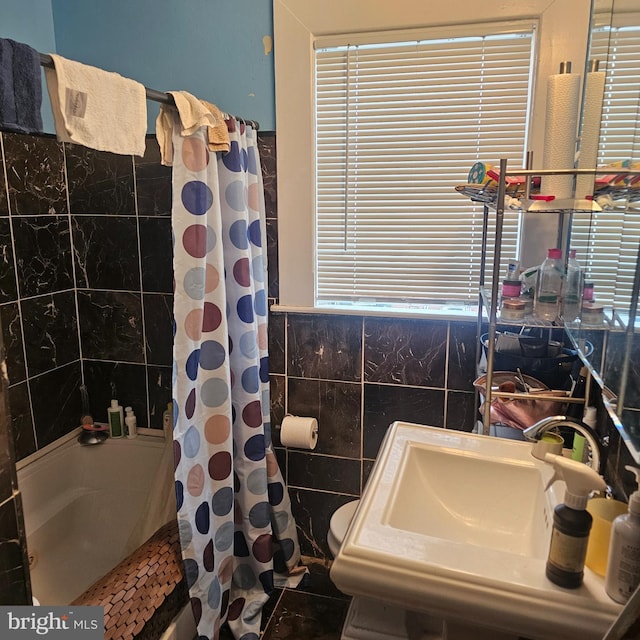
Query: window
point(399, 123)
point(609, 239)
point(304, 29)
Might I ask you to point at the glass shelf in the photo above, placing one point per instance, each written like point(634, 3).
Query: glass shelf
point(610, 322)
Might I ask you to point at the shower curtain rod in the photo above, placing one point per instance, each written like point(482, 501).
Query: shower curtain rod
point(152, 94)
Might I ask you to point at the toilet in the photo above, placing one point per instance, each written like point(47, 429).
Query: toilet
point(369, 619)
point(339, 524)
point(366, 619)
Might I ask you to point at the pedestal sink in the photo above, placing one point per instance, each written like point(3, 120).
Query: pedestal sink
point(457, 526)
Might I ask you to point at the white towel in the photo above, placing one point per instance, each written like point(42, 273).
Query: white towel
point(96, 108)
point(193, 115)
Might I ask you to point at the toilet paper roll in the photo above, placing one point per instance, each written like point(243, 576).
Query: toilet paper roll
point(590, 134)
point(561, 120)
point(299, 432)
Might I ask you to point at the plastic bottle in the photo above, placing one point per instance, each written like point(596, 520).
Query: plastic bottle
point(573, 289)
point(130, 423)
point(167, 420)
point(579, 451)
point(115, 416)
point(571, 521)
point(588, 292)
point(623, 565)
point(549, 287)
point(576, 411)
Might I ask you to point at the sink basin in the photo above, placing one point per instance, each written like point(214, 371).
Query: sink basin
point(458, 525)
point(471, 500)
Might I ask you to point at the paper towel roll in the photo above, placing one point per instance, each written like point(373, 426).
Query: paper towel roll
point(590, 134)
point(299, 432)
point(563, 90)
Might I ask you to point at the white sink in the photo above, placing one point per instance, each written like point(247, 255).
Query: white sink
point(458, 525)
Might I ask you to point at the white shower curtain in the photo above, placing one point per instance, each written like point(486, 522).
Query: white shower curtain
point(233, 507)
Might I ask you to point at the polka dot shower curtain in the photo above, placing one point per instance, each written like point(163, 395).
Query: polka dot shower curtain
point(233, 507)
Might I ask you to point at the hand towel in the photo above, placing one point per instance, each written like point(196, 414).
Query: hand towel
point(164, 125)
point(218, 135)
point(20, 87)
point(99, 109)
point(192, 113)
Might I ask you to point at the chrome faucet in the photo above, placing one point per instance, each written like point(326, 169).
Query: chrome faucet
point(537, 430)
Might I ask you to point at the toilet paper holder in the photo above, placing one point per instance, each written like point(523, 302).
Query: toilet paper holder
point(292, 415)
point(299, 432)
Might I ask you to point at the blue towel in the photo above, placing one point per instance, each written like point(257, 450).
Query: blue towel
point(20, 87)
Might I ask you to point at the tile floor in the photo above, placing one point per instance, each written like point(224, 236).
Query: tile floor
point(316, 610)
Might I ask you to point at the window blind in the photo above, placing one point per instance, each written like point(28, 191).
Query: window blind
point(398, 126)
point(608, 240)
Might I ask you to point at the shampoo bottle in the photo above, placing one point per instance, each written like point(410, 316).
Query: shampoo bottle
point(116, 419)
point(623, 566)
point(571, 521)
point(130, 423)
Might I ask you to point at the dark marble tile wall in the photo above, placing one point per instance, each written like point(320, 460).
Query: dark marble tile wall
point(356, 376)
point(85, 284)
point(14, 573)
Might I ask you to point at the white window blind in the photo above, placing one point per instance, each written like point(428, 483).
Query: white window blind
point(398, 126)
point(608, 240)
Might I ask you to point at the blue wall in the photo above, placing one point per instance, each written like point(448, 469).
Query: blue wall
point(211, 48)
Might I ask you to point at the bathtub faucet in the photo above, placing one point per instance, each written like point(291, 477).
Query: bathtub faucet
point(596, 445)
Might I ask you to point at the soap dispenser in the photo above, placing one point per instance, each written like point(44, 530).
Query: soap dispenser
point(571, 521)
point(623, 566)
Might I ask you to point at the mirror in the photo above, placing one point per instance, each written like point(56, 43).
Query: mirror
point(615, 42)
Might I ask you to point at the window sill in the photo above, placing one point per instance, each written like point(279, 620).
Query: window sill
point(454, 312)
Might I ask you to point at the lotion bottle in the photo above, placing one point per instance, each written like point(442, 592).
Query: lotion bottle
point(571, 521)
point(130, 423)
point(623, 565)
point(116, 419)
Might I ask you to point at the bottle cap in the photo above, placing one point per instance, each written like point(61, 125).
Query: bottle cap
point(516, 304)
point(128, 409)
point(114, 404)
point(634, 500)
point(555, 254)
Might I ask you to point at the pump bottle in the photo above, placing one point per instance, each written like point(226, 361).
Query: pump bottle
point(623, 566)
point(571, 521)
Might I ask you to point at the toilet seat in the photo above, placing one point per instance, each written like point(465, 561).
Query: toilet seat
point(339, 524)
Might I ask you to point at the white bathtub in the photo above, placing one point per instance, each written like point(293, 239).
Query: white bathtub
point(82, 510)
